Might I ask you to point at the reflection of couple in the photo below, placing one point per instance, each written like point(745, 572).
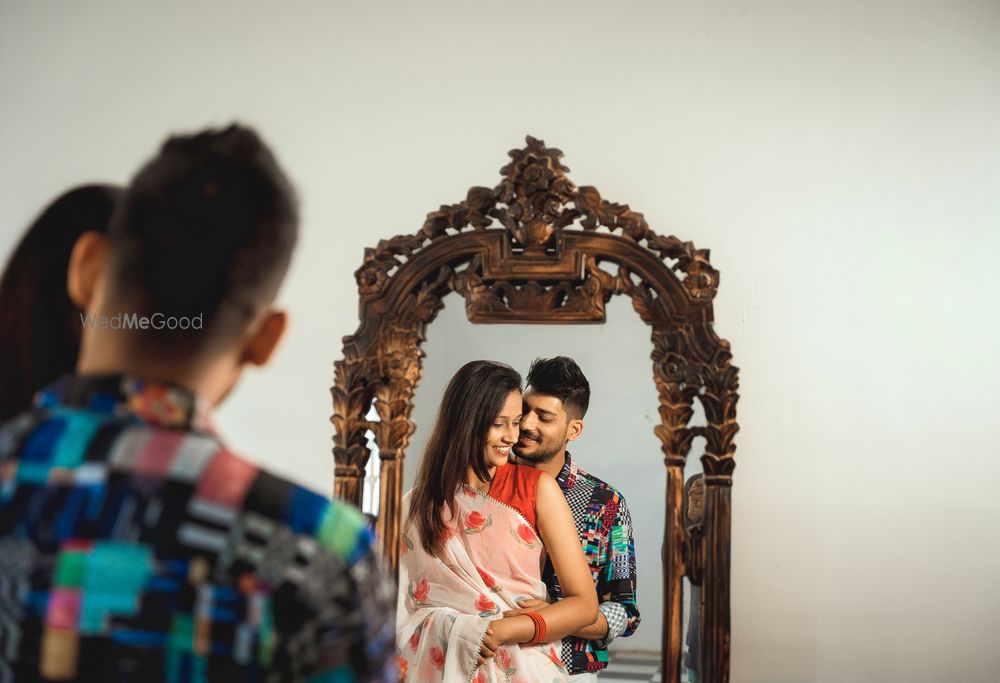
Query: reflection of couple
point(488, 537)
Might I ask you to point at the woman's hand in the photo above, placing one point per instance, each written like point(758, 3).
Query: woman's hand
point(489, 647)
point(513, 629)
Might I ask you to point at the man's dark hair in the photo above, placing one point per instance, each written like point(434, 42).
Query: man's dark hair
point(206, 227)
point(561, 377)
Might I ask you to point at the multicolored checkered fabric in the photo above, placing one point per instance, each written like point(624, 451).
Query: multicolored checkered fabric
point(135, 547)
point(605, 527)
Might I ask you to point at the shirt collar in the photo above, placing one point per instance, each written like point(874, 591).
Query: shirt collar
point(567, 475)
point(154, 402)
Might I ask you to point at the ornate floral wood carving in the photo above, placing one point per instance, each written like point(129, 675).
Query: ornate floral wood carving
point(538, 249)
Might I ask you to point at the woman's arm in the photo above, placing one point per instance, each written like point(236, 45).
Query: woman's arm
point(578, 608)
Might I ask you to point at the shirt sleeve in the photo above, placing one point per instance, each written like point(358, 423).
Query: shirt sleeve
point(617, 619)
point(617, 581)
point(375, 600)
point(349, 604)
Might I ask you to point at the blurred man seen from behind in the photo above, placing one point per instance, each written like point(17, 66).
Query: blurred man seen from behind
point(134, 545)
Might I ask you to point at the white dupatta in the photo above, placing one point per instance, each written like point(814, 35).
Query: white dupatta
point(491, 559)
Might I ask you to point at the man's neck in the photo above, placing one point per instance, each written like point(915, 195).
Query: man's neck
point(97, 358)
point(554, 466)
point(141, 370)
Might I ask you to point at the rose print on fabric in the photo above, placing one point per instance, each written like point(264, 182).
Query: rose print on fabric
point(483, 531)
point(437, 655)
point(403, 667)
point(554, 658)
point(488, 579)
point(419, 591)
point(526, 536)
point(417, 632)
point(486, 606)
point(504, 661)
point(475, 523)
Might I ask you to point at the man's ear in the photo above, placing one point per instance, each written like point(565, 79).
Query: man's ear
point(86, 267)
point(264, 340)
point(575, 429)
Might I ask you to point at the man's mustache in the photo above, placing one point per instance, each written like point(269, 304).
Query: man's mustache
point(530, 436)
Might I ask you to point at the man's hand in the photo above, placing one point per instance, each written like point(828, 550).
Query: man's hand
point(596, 631)
point(529, 605)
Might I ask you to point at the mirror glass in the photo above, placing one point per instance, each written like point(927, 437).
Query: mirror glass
point(618, 444)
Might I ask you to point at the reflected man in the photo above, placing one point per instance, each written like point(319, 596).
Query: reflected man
point(554, 407)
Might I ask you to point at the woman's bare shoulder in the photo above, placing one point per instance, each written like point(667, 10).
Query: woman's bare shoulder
point(548, 489)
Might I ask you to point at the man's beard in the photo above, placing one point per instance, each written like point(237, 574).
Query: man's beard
point(539, 457)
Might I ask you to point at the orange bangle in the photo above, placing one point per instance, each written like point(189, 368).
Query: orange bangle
point(540, 627)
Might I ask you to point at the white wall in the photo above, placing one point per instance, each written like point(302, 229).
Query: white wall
point(841, 160)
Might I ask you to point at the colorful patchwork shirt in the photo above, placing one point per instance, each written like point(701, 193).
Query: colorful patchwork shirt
point(605, 527)
point(135, 547)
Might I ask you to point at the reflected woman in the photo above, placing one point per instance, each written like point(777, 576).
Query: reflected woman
point(476, 531)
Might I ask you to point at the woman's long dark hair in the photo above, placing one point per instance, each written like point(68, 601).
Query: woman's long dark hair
point(471, 403)
point(41, 326)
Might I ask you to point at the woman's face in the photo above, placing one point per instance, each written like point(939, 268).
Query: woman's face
point(504, 431)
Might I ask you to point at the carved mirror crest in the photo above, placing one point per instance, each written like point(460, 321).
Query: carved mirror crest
point(537, 249)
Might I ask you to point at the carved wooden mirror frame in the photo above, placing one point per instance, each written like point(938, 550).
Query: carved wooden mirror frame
point(545, 263)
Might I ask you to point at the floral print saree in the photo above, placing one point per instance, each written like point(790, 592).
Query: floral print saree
point(491, 559)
